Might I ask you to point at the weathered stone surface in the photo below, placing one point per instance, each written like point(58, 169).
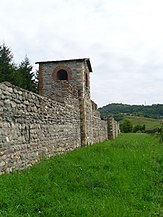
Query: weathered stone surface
point(27, 127)
point(33, 126)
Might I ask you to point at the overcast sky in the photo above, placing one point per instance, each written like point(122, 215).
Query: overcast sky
point(122, 38)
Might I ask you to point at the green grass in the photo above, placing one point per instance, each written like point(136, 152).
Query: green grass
point(150, 123)
point(115, 178)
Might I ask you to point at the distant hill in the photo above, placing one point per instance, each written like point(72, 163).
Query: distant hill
point(150, 123)
point(117, 109)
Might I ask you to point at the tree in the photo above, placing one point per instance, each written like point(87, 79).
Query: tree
point(126, 126)
point(21, 75)
point(7, 67)
point(118, 117)
point(139, 128)
point(25, 77)
point(152, 111)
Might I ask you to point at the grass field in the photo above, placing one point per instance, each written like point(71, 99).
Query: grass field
point(115, 178)
point(149, 122)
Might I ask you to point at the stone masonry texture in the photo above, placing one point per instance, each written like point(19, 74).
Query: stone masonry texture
point(60, 119)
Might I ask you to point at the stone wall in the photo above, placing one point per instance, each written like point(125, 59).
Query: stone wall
point(60, 119)
point(113, 128)
point(32, 126)
point(99, 127)
point(77, 76)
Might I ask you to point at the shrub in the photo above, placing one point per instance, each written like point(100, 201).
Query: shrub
point(126, 126)
point(161, 133)
point(139, 128)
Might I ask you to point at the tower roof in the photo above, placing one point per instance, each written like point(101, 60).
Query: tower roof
point(87, 60)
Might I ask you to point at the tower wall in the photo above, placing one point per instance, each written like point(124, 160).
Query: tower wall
point(78, 81)
point(61, 119)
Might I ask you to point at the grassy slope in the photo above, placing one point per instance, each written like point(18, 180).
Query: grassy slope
point(116, 178)
point(149, 122)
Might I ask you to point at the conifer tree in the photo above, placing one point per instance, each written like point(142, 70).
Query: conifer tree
point(25, 76)
point(21, 75)
point(7, 67)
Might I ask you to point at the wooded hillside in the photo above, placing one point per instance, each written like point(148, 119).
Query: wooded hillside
point(150, 111)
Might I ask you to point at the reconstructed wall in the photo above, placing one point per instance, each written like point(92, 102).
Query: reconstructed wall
point(99, 127)
point(113, 128)
point(60, 119)
point(78, 77)
point(32, 126)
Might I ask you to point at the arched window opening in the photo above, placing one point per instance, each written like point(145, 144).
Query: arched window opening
point(62, 75)
point(86, 80)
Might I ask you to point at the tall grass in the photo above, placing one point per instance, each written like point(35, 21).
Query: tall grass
point(115, 178)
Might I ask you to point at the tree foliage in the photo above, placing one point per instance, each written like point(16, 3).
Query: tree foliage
point(139, 128)
point(126, 126)
point(25, 76)
point(7, 68)
point(153, 111)
point(21, 75)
